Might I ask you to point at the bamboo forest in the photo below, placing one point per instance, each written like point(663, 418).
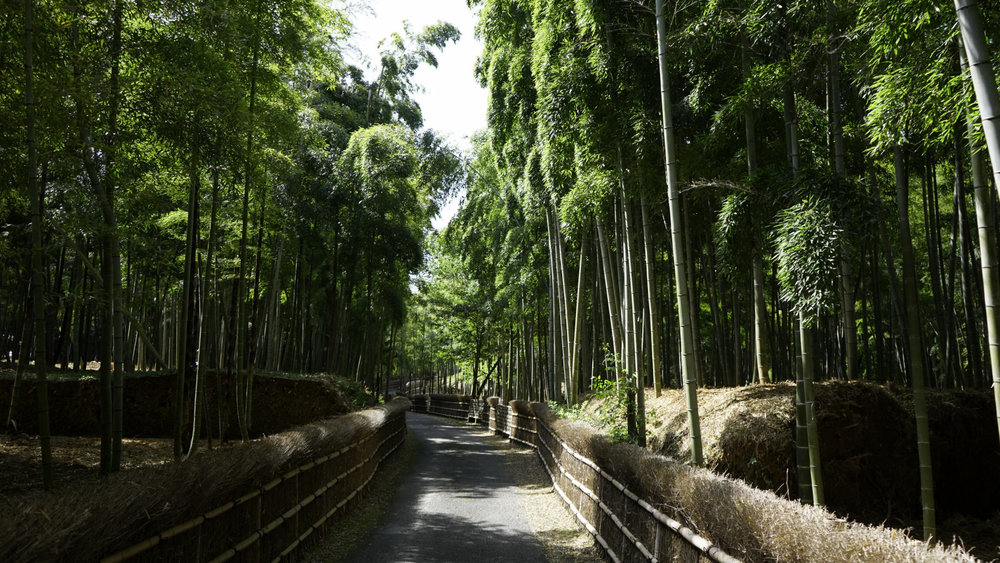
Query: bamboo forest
point(757, 238)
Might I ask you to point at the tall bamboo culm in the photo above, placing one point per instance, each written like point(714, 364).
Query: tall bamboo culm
point(915, 350)
point(677, 243)
point(37, 271)
point(984, 82)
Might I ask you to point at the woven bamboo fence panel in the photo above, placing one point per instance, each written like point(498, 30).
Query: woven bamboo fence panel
point(499, 418)
point(418, 403)
point(479, 411)
point(271, 522)
point(450, 406)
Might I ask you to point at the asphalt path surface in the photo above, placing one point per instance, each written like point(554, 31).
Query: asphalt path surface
point(457, 505)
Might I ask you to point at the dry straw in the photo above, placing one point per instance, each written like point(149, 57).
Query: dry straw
point(84, 522)
point(745, 522)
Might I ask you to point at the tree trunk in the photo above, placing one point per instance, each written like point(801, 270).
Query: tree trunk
point(611, 294)
point(801, 397)
point(849, 316)
point(255, 321)
point(113, 336)
point(574, 376)
point(189, 329)
point(206, 275)
point(791, 128)
point(760, 320)
point(983, 78)
point(970, 306)
point(759, 305)
point(680, 266)
point(806, 335)
point(634, 318)
point(835, 103)
point(58, 353)
point(915, 349)
point(118, 320)
point(557, 341)
point(272, 333)
point(985, 217)
point(654, 325)
point(934, 268)
point(564, 301)
point(693, 295)
point(37, 269)
point(22, 360)
point(239, 330)
point(106, 351)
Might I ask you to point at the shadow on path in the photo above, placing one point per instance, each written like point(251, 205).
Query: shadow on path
point(458, 504)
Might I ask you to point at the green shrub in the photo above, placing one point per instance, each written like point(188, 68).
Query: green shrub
point(356, 394)
point(611, 416)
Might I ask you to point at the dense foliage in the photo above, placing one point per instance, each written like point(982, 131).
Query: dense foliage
point(220, 193)
point(695, 193)
point(793, 130)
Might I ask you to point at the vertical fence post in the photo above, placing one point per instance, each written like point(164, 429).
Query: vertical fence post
point(254, 554)
point(298, 499)
point(656, 542)
point(197, 545)
point(493, 415)
point(624, 512)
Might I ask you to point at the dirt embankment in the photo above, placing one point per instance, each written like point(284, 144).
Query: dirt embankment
point(279, 403)
point(867, 442)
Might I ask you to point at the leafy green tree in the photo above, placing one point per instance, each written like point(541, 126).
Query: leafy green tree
point(807, 250)
point(390, 95)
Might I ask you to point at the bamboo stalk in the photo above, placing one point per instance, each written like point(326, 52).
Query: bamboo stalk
point(688, 368)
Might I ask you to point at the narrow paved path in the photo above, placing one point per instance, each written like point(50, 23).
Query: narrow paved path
point(458, 504)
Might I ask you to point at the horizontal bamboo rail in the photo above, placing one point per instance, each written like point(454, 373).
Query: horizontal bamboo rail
point(392, 433)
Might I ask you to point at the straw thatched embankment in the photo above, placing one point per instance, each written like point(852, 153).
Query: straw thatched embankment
point(86, 522)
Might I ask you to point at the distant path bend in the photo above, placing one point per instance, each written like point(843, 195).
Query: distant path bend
point(458, 504)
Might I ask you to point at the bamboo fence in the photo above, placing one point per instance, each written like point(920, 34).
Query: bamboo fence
point(269, 523)
point(479, 411)
point(449, 406)
point(605, 498)
point(418, 403)
point(635, 530)
point(626, 527)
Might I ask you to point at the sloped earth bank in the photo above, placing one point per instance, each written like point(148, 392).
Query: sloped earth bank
point(280, 403)
point(868, 448)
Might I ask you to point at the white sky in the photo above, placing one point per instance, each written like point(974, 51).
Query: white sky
point(452, 102)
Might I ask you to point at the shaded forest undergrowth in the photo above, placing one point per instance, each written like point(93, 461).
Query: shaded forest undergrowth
point(868, 444)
